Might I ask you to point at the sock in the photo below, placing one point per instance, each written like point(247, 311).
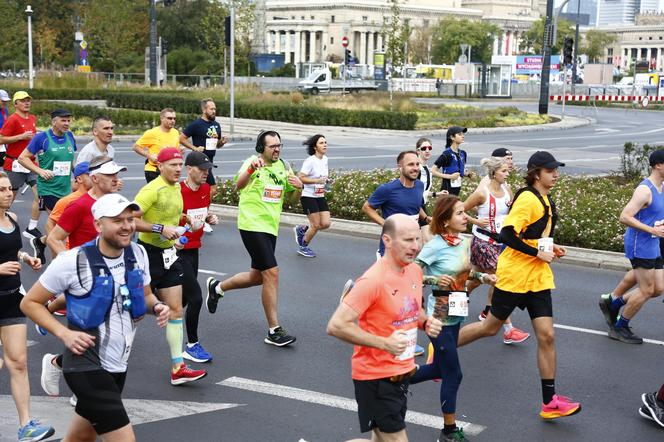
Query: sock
point(218, 289)
point(507, 327)
point(616, 303)
point(449, 429)
point(548, 390)
point(174, 336)
point(622, 322)
point(33, 223)
point(660, 393)
point(486, 310)
point(273, 329)
point(190, 345)
point(58, 361)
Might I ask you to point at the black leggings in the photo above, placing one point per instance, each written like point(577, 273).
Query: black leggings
point(191, 292)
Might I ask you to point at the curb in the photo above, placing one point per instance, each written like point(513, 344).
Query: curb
point(577, 256)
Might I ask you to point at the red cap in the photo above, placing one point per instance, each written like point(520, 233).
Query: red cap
point(168, 154)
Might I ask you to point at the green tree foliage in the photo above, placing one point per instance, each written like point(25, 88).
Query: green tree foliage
point(451, 32)
point(420, 44)
point(14, 42)
point(531, 41)
point(594, 43)
point(395, 33)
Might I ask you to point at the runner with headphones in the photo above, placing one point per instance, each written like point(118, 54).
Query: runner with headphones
point(263, 181)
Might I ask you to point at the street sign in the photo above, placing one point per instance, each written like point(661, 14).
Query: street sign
point(344, 42)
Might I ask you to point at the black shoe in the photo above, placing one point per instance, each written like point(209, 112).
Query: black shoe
point(624, 334)
point(279, 338)
point(644, 412)
point(654, 406)
point(212, 297)
point(32, 233)
point(610, 316)
point(38, 249)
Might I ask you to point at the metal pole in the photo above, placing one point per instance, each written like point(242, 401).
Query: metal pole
point(576, 47)
point(562, 116)
point(31, 73)
point(546, 62)
point(153, 43)
point(232, 111)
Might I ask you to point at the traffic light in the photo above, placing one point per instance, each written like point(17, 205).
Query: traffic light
point(568, 50)
point(164, 46)
point(347, 56)
point(227, 30)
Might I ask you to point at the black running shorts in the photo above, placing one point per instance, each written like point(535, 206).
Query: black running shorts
point(648, 264)
point(161, 277)
point(314, 205)
point(538, 303)
point(260, 246)
point(47, 202)
point(10, 311)
point(382, 404)
point(151, 175)
point(99, 398)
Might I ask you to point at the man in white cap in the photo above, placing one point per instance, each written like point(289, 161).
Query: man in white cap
point(98, 342)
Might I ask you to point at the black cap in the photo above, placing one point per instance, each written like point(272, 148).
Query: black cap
point(60, 113)
point(452, 131)
point(501, 152)
point(543, 159)
point(657, 157)
point(198, 159)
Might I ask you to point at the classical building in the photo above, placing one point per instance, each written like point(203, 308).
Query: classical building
point(642, 41)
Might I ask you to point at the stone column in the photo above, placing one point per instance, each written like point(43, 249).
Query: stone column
point(379, 42)
point(324, 46)
point(370, 49)
point(312, 46)
point(363, 48)
point(298, 44)
point(289, 47)
point(268, 41)
point(496, 44)
point(277, 42)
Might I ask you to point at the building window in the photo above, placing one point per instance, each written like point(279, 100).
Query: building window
point(649, 38)
point(425, 23)
point(610, 51)
point(660, 37)
point(312, 17)
point(640, 38)
point(303, 17)
point(292, 17)
point(365, 18)
point(332, 20)
point(331, 40)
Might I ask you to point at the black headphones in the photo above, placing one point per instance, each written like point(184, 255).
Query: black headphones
point(260, 141)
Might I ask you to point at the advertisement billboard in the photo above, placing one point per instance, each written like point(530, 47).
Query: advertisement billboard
point(532, 64)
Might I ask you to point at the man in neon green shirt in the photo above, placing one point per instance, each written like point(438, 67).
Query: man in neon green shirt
point(263, 182)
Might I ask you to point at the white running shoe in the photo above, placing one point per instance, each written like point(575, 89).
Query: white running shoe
point(73, 400)
point(50, 376)
point(207, 228)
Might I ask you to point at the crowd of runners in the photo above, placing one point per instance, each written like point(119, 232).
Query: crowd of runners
point(425, 269)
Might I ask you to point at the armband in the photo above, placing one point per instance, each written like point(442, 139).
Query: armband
point(157, 228)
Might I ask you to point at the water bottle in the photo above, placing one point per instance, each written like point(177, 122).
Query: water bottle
point(183, 240)
point(181, 231)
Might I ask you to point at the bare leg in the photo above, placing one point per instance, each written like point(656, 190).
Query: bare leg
point(647, 289)
point(80, 430)
point(242, 280)
point(317, 221)
point(14, 343)
point(625, 284)
point(124, 434)
point(269, 295)
point(476, 330)
point(546, 347)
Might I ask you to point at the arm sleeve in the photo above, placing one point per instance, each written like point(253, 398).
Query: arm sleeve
point(379, 197)
point(9, 128)
point(428, 253)
point(60, 273)
point(509, 238)
point(307, 167)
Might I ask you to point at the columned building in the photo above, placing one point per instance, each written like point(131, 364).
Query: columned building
point(642, 41)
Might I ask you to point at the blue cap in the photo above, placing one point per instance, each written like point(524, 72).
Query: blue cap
point(81, 168)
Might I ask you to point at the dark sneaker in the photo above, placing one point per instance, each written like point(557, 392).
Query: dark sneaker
point(624, 334)
point(655, 406)
point(299, 232)
point(610, 316)
point(644, 412)
point(279, 338)
point(38, 249)
point(32, 233)
point(456, 436)
point(212, 297)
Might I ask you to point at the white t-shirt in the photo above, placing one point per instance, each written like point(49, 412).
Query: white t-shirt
point(314, 167)
point(90, 152)
point(113, 338)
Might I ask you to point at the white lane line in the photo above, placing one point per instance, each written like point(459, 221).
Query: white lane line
point(328, 400)
point(212, 272)
point(599, 333)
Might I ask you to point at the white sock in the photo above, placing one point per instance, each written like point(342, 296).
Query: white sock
point(507, 326)
point(33, 223)
point(219, 290)
point(272, 329)
point(191, 345)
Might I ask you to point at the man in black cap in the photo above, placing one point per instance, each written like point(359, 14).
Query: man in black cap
point(451, 164)
point(503, 152)
point(54, 150)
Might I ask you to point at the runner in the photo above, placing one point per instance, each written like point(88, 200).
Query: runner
point(644, 217)
point(100, 146)
point(492, 202)
point(445, 261)
point(116, 278)
point(13, 328)
point(506, 156)
point(161, 210)
point(525, 279)
point(154, 140)
point(4, 115)
point(653, 406)
point(314, 176)
point(451, 164)
point(424, 149)
point(263, 181)
point(82, 183)
point(196, 199)
point(380, 315)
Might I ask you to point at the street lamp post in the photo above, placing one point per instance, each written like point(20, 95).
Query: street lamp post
point(31, 75)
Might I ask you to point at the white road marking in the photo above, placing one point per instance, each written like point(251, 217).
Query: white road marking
point(606, 129)
point(329, 400)
point(211, 272)
point(600, 333)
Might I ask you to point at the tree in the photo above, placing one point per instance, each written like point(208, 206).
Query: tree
point(395, 33)
point(532, 39)
point(14, 42)
point(595, 42)
point(451, 32)
point(420, 45)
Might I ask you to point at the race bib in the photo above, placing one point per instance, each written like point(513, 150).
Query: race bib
point(545, 244)
point(169, 256)
point(409, 353)
point(319, 189)
point(272, 193)
point(456, 183)
point(3, 148)
point(61, 168)
point(129, 340)
point(197, 217)
point(458, 302)
point(211, 143)
point(499, 225)
point(16, 167)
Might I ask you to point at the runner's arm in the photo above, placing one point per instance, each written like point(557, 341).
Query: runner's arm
point(56, 240)
point(25, 160)
point(144, 152)
point(372, 214)
point(343, 325)
point(33, 306)
point(184, 140)
point(509, 238)
point(640, 199)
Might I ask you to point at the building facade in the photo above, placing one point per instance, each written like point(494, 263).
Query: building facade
point(642, 41)
point(617, 12)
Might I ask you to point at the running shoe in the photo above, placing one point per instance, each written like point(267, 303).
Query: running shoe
point(482, 316)
point(560, 406)
point(299, 232)
point(38, 249)
point(34, 431)
point(610, 316)
point(41, 330)
point(306, 252)
point(347, 288)
point(186, 374)
point(207, 228)
point(624, 334)
point(644, 412)
point(456, 436)
point(196, 353)
point(419, 350)
point(73, 400)
point(32, 233)
point(654, 406)
point(515, 336)
point(212, 297)
point(50, 376)
point(279, 338)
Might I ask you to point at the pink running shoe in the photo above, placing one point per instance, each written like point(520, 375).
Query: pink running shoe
point(515, 336)
point(560, 406)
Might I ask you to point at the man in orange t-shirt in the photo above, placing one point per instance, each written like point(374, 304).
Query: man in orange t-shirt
point(381, 315)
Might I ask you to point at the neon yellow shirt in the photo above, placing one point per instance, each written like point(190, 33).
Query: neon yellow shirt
point(155, 140)
point(161, 203)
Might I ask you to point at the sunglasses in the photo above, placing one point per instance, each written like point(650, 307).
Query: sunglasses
point(126, 300)
point(423, 148)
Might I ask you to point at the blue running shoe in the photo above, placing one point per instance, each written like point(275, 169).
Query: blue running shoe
point(419, 350)
point(41, 330)
point(299, 235)
point(34, 431)
point(196, 353)
point(306, 252)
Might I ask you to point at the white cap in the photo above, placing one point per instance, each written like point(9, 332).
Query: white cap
point(4, 96)
point(107, 168)
point(112, 204)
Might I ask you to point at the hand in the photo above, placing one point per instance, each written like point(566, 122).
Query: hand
point(489, 279)
point(482, 222)
point(162, 312)
point(470, 174)
point(395, 344)
point(33, 262)
point(199, 148)
point(258, 163)
point(10, 268)
point(294, 181)
point(46, 174)
point(455, 176)
point(443, 192)
point(546, 256)
point(221, 143)
point(152, 158)
point(178, 245)
point(77, 341)
point(27, 135)
point(170, 233)
point(433, 327)
point(559, 251)
point(445, 281)
point(212, 219)
point(658, 230)
point(120, 184)
point(322, 180)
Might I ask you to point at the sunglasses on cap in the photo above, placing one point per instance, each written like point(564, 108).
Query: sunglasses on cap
point(423, 148)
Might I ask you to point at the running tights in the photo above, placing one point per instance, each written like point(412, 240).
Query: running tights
point(445, 366)
point(192, 297)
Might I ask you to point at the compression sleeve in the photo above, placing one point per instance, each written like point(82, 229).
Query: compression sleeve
point(509, 238)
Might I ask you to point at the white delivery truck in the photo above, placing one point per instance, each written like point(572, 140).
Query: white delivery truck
point(321, 81)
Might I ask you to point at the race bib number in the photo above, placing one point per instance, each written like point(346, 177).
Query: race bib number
point(458, 302)
point(456, 183)
point(169, 256)
point(211, 143)
point(197, 217)
point(545, 244)
point(499, 225)
point(16, 167)
point(409, 353)
point(61, 168)
point(3, 148)
point(272, 193)
point(129, 340)
point(319, 189)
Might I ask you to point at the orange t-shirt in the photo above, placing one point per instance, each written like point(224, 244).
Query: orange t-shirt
point(386, 301)
point(63, 202)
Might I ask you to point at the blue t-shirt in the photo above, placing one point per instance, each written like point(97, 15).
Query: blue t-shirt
point(200, 130)
point(4, 114)
point(40, 141)
point(394, 197)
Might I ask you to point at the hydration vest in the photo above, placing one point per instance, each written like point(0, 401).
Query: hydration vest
point(536, 229)
point(90, 310)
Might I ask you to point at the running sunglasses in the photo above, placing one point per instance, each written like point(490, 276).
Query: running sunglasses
point(423, 148)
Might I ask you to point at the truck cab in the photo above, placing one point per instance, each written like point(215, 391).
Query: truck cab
point(318, 81)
